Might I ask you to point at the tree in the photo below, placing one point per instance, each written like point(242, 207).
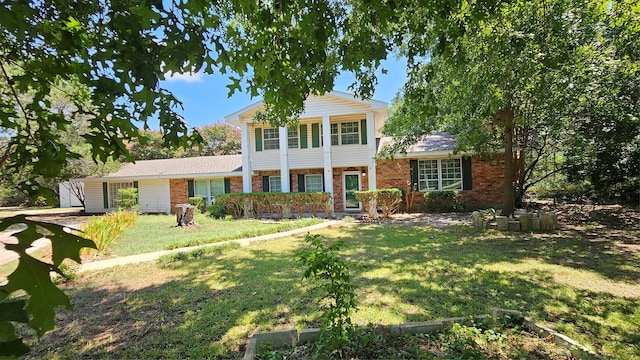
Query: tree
point(514, 81)
point(217, 139)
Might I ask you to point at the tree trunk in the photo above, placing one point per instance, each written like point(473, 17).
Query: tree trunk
point(185, 215)
point(508, 205)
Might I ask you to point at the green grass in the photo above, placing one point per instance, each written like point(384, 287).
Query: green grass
point(159, 232)
point(207, 305)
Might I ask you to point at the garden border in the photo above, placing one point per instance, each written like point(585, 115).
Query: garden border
point(294, 337)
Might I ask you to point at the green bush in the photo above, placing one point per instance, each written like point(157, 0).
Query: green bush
point(216, 210)
point(324, 266)
point(388, 200)
point(199, 203)
point(443, 201)
point(128, 199)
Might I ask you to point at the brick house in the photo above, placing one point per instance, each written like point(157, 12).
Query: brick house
point(333, 148)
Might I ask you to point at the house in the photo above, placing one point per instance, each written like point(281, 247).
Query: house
point(164, 183)
point(333, 148)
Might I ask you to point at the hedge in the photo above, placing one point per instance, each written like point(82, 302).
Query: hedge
point(266, 204)
point(443, 201)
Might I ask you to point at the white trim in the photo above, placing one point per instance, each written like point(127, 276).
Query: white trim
point(180, 176)
point(285, 185)
point(371, 150)
point(344, 189)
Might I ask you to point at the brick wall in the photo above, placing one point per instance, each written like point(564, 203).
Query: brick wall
point(178, 192)
point(487, 181)
point(236, 184)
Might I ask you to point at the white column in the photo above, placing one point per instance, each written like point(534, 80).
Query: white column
point(371, 149)
point(245, 146)
point(326, 149)
point(285, 185)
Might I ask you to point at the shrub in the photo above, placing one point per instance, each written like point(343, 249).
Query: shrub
point(263, 204)
point(216, 210)
point(444, 201)
point(199, 203)
point(325, 266)
point(104, 229)
point(128, 199)
point(388, 200)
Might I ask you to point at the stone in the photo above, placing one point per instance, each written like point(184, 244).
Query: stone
point(535, 223)
point(308, 335)
point(513, 225)
point(278, 338)
point(477, 218)
point(526, 222)
point(546, 221)
point(502, 223)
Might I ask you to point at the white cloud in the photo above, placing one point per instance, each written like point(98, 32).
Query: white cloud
point(186, 77)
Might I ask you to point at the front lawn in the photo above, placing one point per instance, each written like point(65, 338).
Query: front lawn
point(159, 232)
point(582, 282)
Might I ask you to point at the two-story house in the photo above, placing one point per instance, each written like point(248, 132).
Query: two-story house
point(333, 148)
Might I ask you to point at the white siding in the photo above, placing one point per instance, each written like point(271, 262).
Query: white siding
point(93, 197)
point(265, 160)
point(67, 197)
point(306, 158)
point(154, 196)
point(349, 155)
point(319, 106)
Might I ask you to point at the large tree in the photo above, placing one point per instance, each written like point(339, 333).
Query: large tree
point(519, 80)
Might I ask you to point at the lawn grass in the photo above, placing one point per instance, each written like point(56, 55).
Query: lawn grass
point(159, 232)
point(207, 306)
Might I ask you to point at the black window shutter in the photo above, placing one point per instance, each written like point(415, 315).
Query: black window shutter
point(363, 131)
point(414, 174)
point(105, 195)
point(258, 133)
point(301, 183)
point(303, 136)
point(190, 188)
point(227, 185)
point(322, 178)
point(467, 180)
point(315, 135)
point(265, 183)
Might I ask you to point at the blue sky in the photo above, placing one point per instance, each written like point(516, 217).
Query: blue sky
point(204, 97)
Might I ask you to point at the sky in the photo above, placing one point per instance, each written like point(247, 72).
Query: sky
point(205, 101)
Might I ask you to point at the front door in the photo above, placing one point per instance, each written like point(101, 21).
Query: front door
point(351, 184)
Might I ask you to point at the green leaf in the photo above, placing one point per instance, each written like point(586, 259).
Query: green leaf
point(13, 311)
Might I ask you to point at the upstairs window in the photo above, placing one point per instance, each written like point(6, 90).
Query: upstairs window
point(271, 139)
point(292, 139)
point(349, 134)
point(334, 134)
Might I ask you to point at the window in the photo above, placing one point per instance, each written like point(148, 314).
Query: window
point(349, 134)
point(208, 189)
point(274, 184)
point(292, 138)
point(113, 192)
point(271, 139)
point(451, 174)
point(313, 183)
point(334, 134)
point(443, 174)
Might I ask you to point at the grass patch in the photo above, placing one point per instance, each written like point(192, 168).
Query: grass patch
point(159, 232)
point(207, 307)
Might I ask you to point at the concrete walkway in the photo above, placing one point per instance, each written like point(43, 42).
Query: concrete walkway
point(152, 256)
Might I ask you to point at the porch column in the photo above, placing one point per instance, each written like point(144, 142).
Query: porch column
point(326, 150)
point(371, 149)
point(283, 134)
point(245, 145)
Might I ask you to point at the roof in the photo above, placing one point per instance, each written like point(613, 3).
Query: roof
point(374, 104)
point(432, 144)
point(201, 166)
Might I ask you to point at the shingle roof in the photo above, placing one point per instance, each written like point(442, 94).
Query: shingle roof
point(172, 168)
point(436, 142)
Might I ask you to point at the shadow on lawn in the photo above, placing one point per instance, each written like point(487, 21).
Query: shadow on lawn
point(209, 307)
